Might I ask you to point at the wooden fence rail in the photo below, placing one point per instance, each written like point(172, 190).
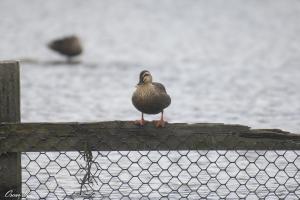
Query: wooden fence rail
point(124, 135)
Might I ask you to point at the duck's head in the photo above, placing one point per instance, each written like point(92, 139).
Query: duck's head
point(145, 77)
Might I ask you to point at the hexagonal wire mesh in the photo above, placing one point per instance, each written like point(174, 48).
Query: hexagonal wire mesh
point(162, 175)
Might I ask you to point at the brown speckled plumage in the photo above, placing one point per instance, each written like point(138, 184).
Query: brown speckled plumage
point(150, 97)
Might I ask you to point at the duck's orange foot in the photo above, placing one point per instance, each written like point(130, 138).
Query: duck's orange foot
point(140, 122)
point(160, 123)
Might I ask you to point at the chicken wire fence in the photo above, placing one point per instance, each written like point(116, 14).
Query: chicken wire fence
point(234, 174)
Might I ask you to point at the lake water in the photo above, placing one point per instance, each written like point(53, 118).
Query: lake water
point(221, 61)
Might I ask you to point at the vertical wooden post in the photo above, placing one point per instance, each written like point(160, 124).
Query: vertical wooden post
point(10, 162)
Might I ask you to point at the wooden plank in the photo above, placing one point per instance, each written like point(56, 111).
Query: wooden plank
point(10, 162)
point(124, 135)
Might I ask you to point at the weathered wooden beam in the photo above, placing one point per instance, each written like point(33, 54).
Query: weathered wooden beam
point(10, 162)
point(9, 91)
point(124, 135)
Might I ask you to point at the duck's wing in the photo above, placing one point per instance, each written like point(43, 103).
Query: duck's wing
point(160, 87)
point(164, 99)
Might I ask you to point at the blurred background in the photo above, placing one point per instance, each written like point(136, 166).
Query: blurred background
point(221, 61)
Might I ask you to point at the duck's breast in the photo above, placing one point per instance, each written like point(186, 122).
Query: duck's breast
point(150, 101)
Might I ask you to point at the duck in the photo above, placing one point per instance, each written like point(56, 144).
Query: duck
point(150, 98)
point(69, 46)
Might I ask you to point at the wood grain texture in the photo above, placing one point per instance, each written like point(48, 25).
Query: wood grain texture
point(10, 162)
point(124, 135)
point(9, 91)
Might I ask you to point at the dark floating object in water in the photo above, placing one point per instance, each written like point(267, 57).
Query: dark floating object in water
point(68, 46)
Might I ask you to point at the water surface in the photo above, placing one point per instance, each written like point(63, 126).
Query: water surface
point(221, 61)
